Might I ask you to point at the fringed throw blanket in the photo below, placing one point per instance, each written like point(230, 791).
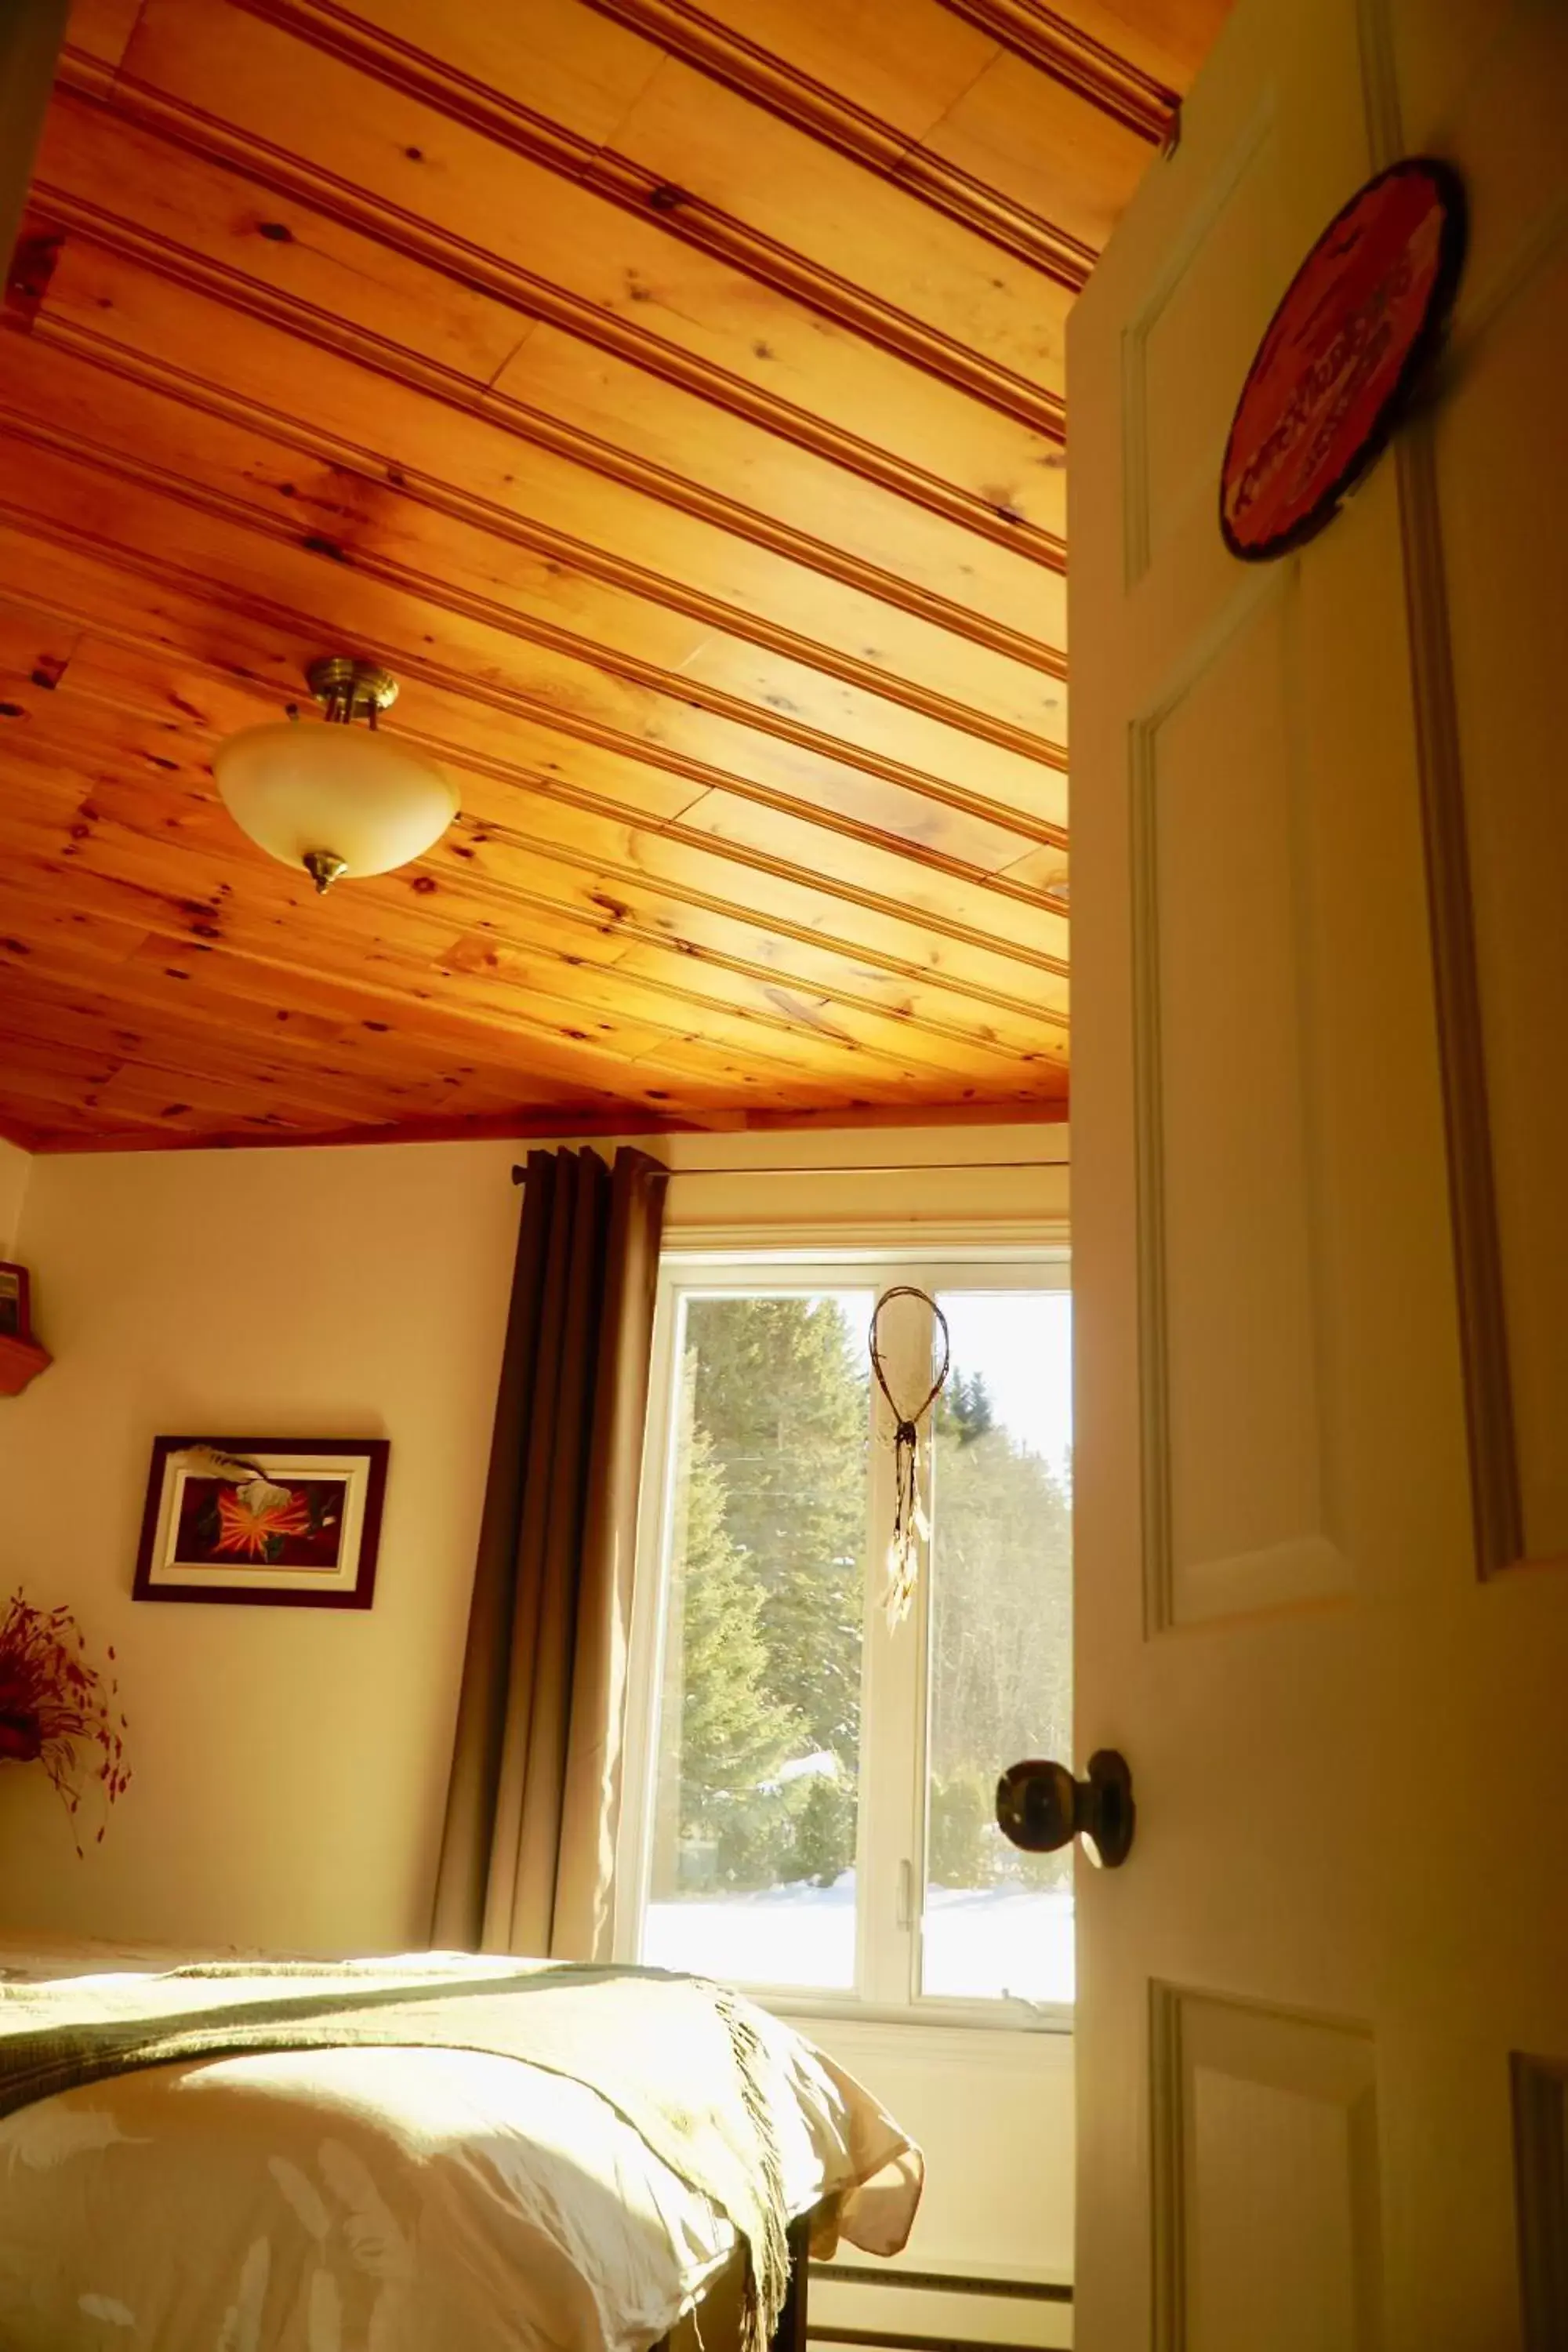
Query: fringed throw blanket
point(679, 2059)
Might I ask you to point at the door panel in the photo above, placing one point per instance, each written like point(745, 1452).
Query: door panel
point(1266, 2180)
point(1540, 2156)
point(1320, 1067)
point(1214, 297)
point(1238, 1484)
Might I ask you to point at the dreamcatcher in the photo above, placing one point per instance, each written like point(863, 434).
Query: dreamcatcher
point(910, 1526)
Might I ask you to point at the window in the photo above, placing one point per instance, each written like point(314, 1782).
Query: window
point(808, 1805)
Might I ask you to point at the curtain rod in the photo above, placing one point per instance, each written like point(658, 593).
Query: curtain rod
point(891, 1168)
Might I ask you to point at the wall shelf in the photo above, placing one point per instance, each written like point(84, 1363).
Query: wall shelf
point(21, 1360)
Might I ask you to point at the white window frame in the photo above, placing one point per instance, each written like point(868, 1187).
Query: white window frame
point(891, 1833)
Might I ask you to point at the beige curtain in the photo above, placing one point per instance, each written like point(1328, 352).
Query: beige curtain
point(527, 1856)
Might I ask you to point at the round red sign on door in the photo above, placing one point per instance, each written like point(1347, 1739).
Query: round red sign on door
point(1359, 320)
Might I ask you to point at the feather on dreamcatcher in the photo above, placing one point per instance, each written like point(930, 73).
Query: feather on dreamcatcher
point(911, 1528)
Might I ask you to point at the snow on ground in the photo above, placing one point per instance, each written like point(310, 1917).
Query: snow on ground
point(994, 1940)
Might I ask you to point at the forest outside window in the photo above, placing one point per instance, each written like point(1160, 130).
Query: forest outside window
point(808, 1806)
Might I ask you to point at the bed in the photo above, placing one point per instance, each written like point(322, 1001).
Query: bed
point(390, 2199)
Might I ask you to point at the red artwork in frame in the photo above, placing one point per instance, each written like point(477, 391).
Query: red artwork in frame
point(288, 1521)
point(1358, 324)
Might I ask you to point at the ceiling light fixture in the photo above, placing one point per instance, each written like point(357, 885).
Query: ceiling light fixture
point(338, 798)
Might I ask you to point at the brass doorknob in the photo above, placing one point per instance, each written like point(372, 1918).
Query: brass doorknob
point(1040, 1807)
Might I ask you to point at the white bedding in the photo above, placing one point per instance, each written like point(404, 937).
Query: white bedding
point(380, 2200)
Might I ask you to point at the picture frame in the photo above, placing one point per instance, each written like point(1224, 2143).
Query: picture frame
point(271, 1521)
point(15, 1303)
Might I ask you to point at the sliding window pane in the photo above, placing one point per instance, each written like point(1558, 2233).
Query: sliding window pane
point(752, 1865)
point(997, 1921)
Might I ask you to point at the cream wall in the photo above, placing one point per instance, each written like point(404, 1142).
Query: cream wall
point(14, 1166)
point(290, 1764)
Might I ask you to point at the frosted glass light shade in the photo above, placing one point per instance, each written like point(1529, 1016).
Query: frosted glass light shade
point(307, 793)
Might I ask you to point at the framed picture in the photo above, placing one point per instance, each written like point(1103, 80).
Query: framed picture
point(280, 1520)
point(15, 1303)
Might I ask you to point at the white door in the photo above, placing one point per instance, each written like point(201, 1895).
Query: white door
point(1320, 1209)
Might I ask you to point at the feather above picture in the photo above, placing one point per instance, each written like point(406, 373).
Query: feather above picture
point(258, 1491)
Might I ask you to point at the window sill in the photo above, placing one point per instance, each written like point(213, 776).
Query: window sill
point(1052, 2020)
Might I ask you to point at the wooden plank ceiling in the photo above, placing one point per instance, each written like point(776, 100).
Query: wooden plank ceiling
point(671, 396)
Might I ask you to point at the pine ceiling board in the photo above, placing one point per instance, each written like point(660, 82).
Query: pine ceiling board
point(147, 783)
point(44, 1086)
point(748, 592)
point(931, 1033)
point(375, 532)
point(117, 855)
point(412, 1026)
point(997, 487)
point(547, 1048)
point(538, 52)
point(1039, 148)
point(146, 982)
point(943, 899)
point(584, 824)
point(618, 278)
point(34, 645)
point(111, 760)
point(1034, 1098)
point(143, 686)
point(502, 732)
point(707, 142)
point(840, 46)
point(131, 328)
point(144, 966)
point(959, 452)
point(1023, 1008)
point(666, 891)
point(775, 80)
point(100, 28)
point(62, 939)
point(1044, 146)
point(793, 1017)
point(351, 1075)
point(1039, 869)
point(671, 395)
point(967, 1025)
point(420, 1021)
point(777, 1027)
point(256, 995)
point(213, 231)
point(116, 754)
point(255, 562)
point(149, 886)
point(183, 1058)
point(712, 165)
point(1165, 40)
point(583, 1006)
point(47, 1126)
point(182, 207)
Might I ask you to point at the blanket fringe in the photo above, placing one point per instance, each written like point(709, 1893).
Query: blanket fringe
point(768, 2261)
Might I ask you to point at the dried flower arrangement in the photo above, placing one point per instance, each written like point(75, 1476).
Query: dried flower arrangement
point(55, 1707)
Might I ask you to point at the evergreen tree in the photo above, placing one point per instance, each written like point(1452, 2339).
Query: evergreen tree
point(764, 1632)
point(779, 1394)
point(964, 1408)
point(734, 1730)
point(1001, 1628)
